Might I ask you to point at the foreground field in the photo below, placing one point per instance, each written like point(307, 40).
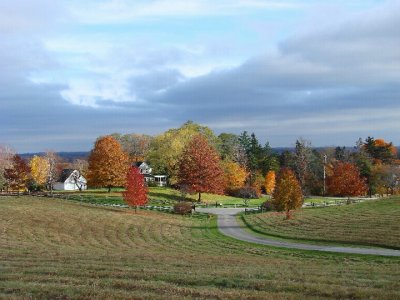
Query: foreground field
point(62, 249)
point(374, 223)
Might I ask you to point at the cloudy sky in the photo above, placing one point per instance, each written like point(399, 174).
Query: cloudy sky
point(328, 71)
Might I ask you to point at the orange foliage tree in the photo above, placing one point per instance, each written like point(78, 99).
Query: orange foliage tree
point(136, 189)
point(287, 194)
point(380, 150)
point(108, 164)
point(200, 168)
point(235, 175)
point(384, 144)
point(270, 180)
point(345, 180)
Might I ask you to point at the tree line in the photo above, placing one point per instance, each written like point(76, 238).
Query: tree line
point(238, 165)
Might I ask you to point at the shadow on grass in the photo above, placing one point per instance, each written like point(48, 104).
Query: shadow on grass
point(159, 196)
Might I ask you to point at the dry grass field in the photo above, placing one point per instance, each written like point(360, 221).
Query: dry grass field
point(374, 223)
point(62, 249)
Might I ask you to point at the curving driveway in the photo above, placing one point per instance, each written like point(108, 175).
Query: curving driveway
point(229, 226)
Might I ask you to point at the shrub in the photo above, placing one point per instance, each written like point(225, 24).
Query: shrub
point(183, 208)
point(268, 206)
point(245, 192)
point(151, 184)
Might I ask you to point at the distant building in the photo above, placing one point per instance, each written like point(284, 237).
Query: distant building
point(146, 170)
point(71, 180)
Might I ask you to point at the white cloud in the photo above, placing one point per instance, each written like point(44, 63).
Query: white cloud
point(122, 11)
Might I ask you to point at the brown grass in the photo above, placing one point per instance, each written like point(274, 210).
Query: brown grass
point(60, 249)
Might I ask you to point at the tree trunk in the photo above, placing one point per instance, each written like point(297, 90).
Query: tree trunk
point(199, 199)
point(109, 188)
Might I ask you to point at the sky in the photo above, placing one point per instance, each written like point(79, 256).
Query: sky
point(326, 71)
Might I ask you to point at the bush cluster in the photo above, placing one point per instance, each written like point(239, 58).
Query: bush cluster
point(247, 192)
point(183, 208)
point(268, 206)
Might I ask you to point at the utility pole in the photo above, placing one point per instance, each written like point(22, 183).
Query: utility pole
point(325, 160)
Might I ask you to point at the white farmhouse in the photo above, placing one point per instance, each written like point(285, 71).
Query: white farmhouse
point(146, 170)
point(71, 180)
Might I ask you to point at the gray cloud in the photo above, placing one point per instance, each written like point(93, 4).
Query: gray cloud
point(309, 85)
point(331, 85)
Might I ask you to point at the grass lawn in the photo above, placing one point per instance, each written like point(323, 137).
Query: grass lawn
point(158, 196)
point(52, 248)
point(373, 223)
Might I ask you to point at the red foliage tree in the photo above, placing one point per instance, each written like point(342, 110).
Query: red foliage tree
point(18, 174)
point(136, 189)
point(345, 180)
point(200, 168)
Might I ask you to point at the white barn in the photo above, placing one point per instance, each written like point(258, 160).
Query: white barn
point(71, 180)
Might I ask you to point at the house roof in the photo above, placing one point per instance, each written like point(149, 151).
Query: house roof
point(138, 163)
point(65, 174)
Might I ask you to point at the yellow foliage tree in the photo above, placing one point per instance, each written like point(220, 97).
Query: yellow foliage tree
point(108, 164)
point(235, 175)
point(270, 179)
point(258, 182)
point(39, 169)
point(166, 149)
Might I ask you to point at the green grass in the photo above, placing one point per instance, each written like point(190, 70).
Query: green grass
point(52, 248)
point(162, 196)
point(372, 223)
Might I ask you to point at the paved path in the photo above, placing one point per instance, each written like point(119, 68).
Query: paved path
point(229, 226)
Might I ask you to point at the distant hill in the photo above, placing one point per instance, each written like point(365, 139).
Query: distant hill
point(67, 156)
point(70, 156)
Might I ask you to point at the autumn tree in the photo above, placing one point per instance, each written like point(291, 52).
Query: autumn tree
point(81, 165)
point(53, 171)
point(287, 194)
point(135, 145)
point(345, 180)
point(6, 155)
point(166, 149)
point(136, 189)
point(235, 175)
point(108, 164)
point(17, 175)
point(270, 180)
point(200, 168)
point(380, 150)
point(39, 170)
point(386, 178)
